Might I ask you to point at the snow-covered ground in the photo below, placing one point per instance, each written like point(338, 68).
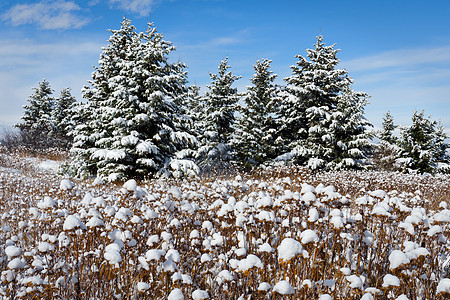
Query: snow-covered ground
point(344, 235)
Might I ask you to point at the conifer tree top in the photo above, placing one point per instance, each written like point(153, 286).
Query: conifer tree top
point(133, 126)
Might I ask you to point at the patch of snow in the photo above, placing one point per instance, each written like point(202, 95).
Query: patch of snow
point(66, 185)
point(13, 251)
point(16, 263)
point(443, 286)
point(345, 271)
point(200, 295)
point(224, 275)
point(356, 282)
point(46, 203)
point(390, 280)
point(72, 222)
point(251, 261)
point(130, 185)
point(143, 286)
point(309, 236)
point(288, 249)
point(397, 259)
point(265, 248)
point(175, 294)
point(264, 286)
point(49, 165)
point(284, 288)
point(95, 222)
point(45, 247)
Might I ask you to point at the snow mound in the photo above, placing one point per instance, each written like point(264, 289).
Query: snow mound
point(355, 281)
point(46, 203)
point(16, 263)
point(142, 286)
point(13, 251)
point(397, 259)
point(309, 236)
point(73, 222)
point(66, 185)
point(199, 295)
point(264, 286)
point(288, 249)
point(175, 294)
point(252, 261)
point(390, 280)
point(443, 286)
point(284, 288)
point(130, 185)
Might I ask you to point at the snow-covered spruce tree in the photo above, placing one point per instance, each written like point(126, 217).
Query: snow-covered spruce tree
point(254, 138)
point(133, 126)
point(349, 137)
point(387, 151)
point(83, 122)
point(386, 133)
point(37, 118)
point(62, 118)
point(441, 153)
point(219, 108)
point(308, 124)
point(191, 105)
point(423, 145)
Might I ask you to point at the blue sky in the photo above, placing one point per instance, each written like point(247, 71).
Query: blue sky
point(396, 51)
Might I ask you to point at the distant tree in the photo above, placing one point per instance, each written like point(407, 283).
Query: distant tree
point(254, 140)
point(134, 128)
point(62, 118)
point(37, 118)
point(388, 127)
point(311, 117)
point(423, 145)
point(441, 146)
point(387, 151)
point(219, 116)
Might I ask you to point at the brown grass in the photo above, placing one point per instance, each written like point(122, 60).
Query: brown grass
point(79, 269)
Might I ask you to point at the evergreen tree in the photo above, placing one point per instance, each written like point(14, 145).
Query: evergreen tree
point(255, 135)
point(62, 118)
point(423, 144)
point(348, 131)
point(134, 128)
point(387, 151)
point(192, 107)
point(311, 118)
point(219, 108)
point(37, 118)
point(387, 132)
point(37, 114)
point(441, 147)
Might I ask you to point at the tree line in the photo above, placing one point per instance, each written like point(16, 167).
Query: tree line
point(141, 118)
point(46, 120)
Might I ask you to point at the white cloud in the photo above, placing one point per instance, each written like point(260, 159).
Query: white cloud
point(400, 58)
point(141, 7)
point(404, 80)
point(24, 63)
point(58, 14)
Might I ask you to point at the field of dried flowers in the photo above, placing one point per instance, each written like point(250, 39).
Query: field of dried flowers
point(281, 233)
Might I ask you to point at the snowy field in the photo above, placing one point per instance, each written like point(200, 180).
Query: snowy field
point(280, 234)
